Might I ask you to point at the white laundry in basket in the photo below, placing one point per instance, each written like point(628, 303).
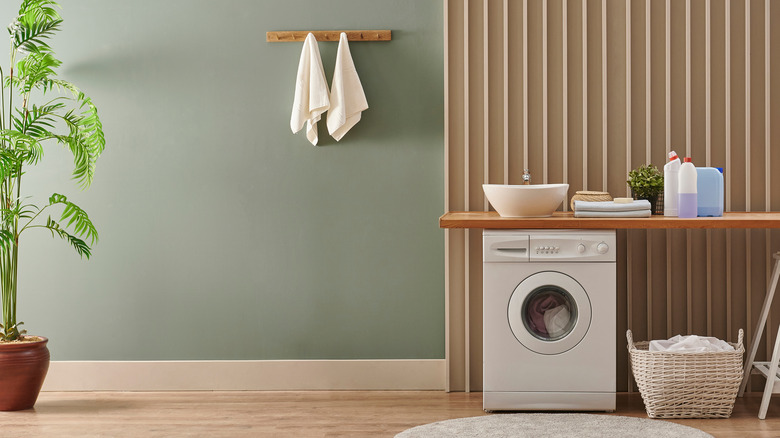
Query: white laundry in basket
point(690, 344)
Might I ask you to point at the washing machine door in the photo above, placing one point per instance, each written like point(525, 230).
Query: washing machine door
point(549, 312)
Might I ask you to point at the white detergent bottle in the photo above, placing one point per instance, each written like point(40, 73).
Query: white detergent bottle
point(671, 171)
point(687, 203)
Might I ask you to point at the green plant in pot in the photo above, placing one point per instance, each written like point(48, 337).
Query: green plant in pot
point(646, 182)
point(38, 109)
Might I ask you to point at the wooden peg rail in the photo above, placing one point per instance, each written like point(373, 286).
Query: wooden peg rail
point(328, 35)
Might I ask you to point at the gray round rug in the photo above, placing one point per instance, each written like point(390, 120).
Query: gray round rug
point(553, 426)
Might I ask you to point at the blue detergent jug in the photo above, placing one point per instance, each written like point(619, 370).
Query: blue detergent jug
point(709, 185)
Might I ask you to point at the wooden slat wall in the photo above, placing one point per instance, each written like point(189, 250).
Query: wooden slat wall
point(581, 91)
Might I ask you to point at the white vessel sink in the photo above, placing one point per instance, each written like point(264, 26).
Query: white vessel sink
point(535, 200)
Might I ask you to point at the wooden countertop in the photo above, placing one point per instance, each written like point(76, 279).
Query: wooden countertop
point(566, 220)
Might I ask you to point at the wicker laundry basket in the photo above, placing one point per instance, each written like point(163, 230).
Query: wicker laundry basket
point(687, 385)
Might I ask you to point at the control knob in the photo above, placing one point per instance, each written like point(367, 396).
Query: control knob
point(581, 248)
point(602, 248)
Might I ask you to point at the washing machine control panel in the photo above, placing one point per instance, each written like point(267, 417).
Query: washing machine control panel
point(549, 245)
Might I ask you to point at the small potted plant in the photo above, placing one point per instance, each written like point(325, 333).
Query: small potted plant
point(647, 182)
point(61, 115)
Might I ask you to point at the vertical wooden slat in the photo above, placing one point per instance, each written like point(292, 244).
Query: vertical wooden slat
point(767, 161)
point(727, 64)
point(486, 99)
point(688, 149)
point(668, 284)
point(629, 301)
point(748, 234)
point(648, 159)
point(668, 103)
point(688, 146)
point(708, 145)
point(525, 83)
point(767, 110)
point(545, 133)
point(629, 233)
point(689, 281)
point(708, 80)
point(565, 88)
point(709, 281)
point(747, 108)
point(729, 315)
point(447, 232)
point(649, 279)
point(584, 94)
point(668, 65)
point(604, 133)
point(628, 92)
point(466, 183)
point(648, 86)
point(506, 91)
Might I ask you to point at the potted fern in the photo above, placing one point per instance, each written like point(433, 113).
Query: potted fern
point(64, 116)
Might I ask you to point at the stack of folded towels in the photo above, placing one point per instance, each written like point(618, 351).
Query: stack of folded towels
point(636, 208)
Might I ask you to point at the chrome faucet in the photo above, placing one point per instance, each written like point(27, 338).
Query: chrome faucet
point(526, 177)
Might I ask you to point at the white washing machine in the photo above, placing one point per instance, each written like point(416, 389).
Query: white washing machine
point(549, 320)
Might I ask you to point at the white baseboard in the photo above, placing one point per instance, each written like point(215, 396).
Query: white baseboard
point(250, 375)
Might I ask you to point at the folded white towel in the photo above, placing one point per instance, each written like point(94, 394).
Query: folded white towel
point(312, 97)
point(639, 204)
point(636, 213)
point(347, 99)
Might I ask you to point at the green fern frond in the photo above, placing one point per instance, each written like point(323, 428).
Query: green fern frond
point(39, 10)
point(29, 37)
point(91, 136)
point(76, 217)
point(65, 85)
point(79, 245)
point(36, 68)
point(27, 148)
point(86, 140)
point(37, 121)
point(9, 163)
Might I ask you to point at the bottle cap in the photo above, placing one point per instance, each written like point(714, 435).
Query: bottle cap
point(673, 156)
point(720, 169)
point(688, 159)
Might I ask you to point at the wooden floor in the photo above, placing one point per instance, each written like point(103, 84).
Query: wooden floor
point(295, 414)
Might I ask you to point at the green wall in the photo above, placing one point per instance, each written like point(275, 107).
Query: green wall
point(222, 234)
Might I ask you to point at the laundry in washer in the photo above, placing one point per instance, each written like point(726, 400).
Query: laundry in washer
point(548, 314)
point(538, 307)
point(556, 320)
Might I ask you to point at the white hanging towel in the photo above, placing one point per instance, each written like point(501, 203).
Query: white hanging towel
point(312, 97)
point(347, 98)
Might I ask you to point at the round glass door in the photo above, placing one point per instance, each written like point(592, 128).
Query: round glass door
point(549, 312)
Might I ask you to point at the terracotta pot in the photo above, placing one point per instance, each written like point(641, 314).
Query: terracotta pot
point(23, 367)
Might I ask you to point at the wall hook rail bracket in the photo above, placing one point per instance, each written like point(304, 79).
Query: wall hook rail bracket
point(289, 36)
